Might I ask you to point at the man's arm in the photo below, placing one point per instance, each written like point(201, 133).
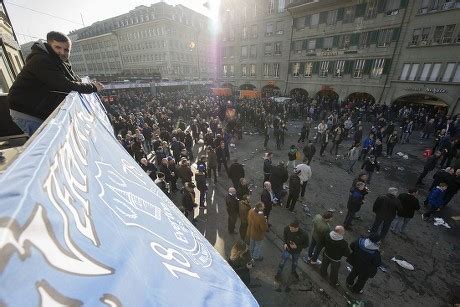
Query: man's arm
point(50, 74)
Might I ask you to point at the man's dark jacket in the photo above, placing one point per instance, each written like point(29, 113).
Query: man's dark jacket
point(44, 82)
point(236, 171)
point(385, 206)
point(233, 204)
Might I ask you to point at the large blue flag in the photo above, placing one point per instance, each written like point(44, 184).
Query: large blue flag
point(81, 223)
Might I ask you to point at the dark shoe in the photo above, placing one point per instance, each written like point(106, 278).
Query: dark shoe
point(296, 276)
point(278, 277)
point(259, 259)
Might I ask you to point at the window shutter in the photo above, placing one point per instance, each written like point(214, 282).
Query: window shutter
point(360, 9)
point(340, 14)
point(395, 35)
point(323, 17)
point(386, 66)
point(403, 4)
point(348, 67)
point(373, 37)
point(367, 66)
point(319, 43)
point(304, 44)
point(331, 67)
point(354, 39)
point(381, 6)
point(315, 68)
point(335, 42)
point(301, 68)
point(307, 21)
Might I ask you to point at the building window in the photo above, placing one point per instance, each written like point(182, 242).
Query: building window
point(327, 43)
point(276, 70)
point(244, 52)
point(278, 48)
point(231, 34)
point(377, 68)
point(349, 14)
point(225, 70)
point(331, 17)
point(253, 70)
point(415, 37)
point(448, 34)
point(457, 75)
point(296, 69)
point(253, 53)
point(339, 67)
point(314, 20)
point(266, 69)
point(371, 9)
point(281, 5)
point(392, 7)
point(384, 38)
point(299, 23)
point(308, 69)
point(271, 7)
point(279, 27)
point(244, 71)
point(413, 72)
point(437, 35)
point(424, 6)
point(425, 71)
point(311, 45)
point(344, 41)
point(448, 72)
point(435, 72)
point(244, 32)
point(298, 46)
point(268, 49)
point(269, 29)
point(358, 68)
point(323, 69)
point(404, 72)
point(364, 39)
point(254, 31)
point(425, 35)
point(232, 70)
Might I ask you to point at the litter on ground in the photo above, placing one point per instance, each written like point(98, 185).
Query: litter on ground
point(440, 222)
point(403, 264)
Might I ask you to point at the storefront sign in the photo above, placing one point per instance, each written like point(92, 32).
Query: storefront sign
point(433, 90)
point(328, 53)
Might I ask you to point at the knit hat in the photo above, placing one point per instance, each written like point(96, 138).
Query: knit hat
point(201, 168)
point(374, 238)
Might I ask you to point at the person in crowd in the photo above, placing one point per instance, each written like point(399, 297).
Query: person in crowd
point(337, 139)
point(44, 81)
point(391, 143)
point(365, 258)
point(368, 145)
point(268, 199)
point(430, 164)
point(188, 202)
point(294, 190)
point(173, 171)
point(200, 179)
point(149, 168)
point(236, 172)
point(442, 175)
point(240, 261)
point(452, 187)
point(257, 227)
point(325, 136)
point(353, 156)
point(369, 166)
point(449, 152)
point(243, 188)
point(358, 135)
point(244, 207)
point(233, 207)
point(435, 201)
point(385, 208)
point(409, 204)
point(321, 129)
point(267, 165)
point(292, 156)
point(295, 240)
point(278, 177)
point(407, 131)
point(309, 151)
point(184, 172)
point(335, 247)
point(305, 132)
point(320, 229)
point(222, 157)
point(355, 201)
point(161, 183)
point(211, 163)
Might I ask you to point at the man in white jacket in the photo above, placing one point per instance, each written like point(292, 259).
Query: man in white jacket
point(305, 175)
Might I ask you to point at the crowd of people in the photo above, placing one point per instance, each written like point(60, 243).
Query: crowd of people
point(163, 131)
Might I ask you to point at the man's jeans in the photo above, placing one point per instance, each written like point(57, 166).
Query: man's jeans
point(27, 123)
point(254, 247)
point(284, 258)
point(399, 224)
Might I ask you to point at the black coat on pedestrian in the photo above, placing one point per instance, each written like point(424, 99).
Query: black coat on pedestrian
point(278, 176)
point(364, 259)
point(336, 249)
point(309, 151)
point(188, 200)
point(386, 206)
point(300, 238)
point(266, 198)
point(294, 184)
point(430, 163)
point(44, 82)
point(221, 155)
point(236, 171)
point(233, 204)
point(409, 204)
point(267, 166)
point(242, 190)
point(441, 176)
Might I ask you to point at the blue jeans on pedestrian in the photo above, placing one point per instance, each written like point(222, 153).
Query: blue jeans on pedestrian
point(399, 224)
point(284, 258)
point(314, 250)
point(27, 123)
point(254, 248)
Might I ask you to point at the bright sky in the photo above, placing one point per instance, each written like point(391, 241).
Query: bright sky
point(30, 25)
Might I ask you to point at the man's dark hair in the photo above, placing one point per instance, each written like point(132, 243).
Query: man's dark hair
point(57, 36)
point(413, 190)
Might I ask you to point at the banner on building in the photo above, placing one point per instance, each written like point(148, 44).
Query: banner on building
point(82, 224)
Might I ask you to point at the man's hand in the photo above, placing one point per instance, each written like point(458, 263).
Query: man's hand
point(98, 85)
point(285, 246)
point(293, 245)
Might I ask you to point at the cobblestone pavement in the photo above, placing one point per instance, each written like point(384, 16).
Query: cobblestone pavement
point(433, 250)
